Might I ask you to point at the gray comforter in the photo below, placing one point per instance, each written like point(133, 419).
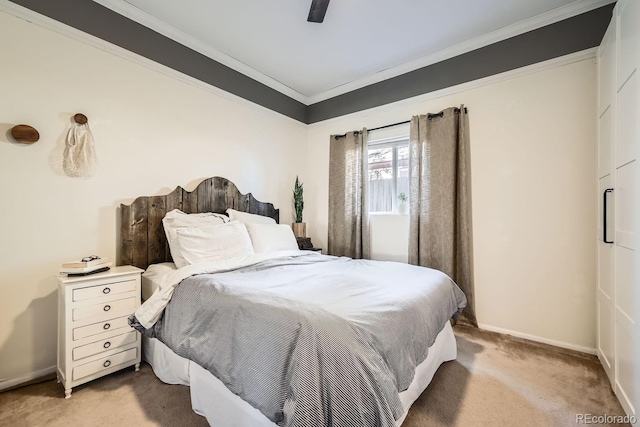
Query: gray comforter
point(312, 340)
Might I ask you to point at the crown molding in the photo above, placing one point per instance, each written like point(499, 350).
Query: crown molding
point(583, 55)
point(47, 23)
point(556, 15)
point(141, 17)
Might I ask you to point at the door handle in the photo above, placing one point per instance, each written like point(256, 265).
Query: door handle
point(604, 215)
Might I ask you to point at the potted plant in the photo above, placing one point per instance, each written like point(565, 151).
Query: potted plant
point(402, 207)
point(299, 227)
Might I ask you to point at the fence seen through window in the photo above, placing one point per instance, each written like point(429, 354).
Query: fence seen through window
point(388, 174)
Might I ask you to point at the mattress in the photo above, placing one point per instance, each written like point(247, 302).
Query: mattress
point(211, 398)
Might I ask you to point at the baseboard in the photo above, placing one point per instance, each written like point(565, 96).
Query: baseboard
point(7, 384)
point(535, 338)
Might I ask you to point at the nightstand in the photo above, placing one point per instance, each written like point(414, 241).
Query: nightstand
point(94, 336)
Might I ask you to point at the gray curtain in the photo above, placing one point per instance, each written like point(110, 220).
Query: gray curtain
point(348, 207)
point(440, 204)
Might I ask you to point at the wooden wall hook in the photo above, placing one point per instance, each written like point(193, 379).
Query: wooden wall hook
point(25, 134)
point(80, 119)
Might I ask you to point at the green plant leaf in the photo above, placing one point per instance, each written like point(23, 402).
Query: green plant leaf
point(298, 199)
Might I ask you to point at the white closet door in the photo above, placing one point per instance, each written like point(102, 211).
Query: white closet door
point(606, 150)
point(627, 142)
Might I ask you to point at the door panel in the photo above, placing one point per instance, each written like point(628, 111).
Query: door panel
point(625, 364)
point(625, 209)
point(605, 293)
point(629, 11)
point(628, 123)
point(624, 282)
point(607, 68)
point(605, 142)
point(605, 336)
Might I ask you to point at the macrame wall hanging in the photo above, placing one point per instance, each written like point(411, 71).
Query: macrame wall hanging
point(79, 152)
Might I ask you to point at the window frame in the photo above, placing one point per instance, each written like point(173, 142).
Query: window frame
point(392, 142)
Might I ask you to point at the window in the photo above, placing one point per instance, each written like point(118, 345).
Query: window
point(388, 173)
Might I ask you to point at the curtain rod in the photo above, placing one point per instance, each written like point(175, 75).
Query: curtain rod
point(390, 126)
point(429, 116)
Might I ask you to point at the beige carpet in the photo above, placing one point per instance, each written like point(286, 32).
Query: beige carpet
point(497, 380)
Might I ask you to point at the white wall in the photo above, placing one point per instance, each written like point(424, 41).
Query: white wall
point(152, 133)
point(533, 159)
point(389, 234)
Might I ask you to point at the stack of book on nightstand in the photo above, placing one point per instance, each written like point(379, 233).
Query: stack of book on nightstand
point(87, 265)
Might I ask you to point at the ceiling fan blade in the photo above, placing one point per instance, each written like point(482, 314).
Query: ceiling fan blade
point(318, 10)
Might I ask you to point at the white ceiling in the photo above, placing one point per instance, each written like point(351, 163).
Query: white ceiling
point(360, 41)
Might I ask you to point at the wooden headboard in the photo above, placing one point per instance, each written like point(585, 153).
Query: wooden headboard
point(142, 238)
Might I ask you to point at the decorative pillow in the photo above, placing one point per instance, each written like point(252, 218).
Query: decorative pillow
point(247, 218)
point(177, 219)
point(271, 237)
point(210, 244)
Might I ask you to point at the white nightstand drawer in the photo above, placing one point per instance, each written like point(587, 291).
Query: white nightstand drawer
point(102, 290)
point(104, 363)
point(98, 328)
point(103, 345)
point(105, 310)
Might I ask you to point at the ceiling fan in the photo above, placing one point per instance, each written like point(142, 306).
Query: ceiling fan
point(318, 10)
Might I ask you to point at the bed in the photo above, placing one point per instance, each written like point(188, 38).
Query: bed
point(262, 342)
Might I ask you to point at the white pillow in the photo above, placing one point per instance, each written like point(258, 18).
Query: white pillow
point(152, 277)
point(271, 237)
point(210, 244)
point(247, 218)
point(177, 219)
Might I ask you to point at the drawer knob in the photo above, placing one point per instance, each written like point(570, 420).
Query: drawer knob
point(106, 290)
point(106, 326)
point(107, 307)
point(106, 363)
point(107, 344)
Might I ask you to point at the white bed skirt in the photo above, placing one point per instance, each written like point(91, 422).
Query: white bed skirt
point(213, 400)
